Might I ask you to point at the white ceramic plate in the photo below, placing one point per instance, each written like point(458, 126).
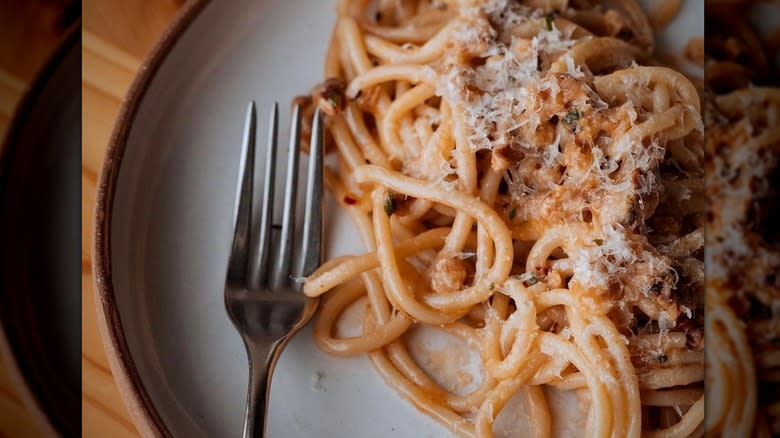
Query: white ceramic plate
point(167, 194)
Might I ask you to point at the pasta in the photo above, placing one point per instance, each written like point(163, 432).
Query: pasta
point(741, 112)
point(527, 179)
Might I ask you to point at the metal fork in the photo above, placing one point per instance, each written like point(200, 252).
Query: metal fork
point(263, 296)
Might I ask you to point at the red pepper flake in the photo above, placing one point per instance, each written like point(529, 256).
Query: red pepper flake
point(349, 201)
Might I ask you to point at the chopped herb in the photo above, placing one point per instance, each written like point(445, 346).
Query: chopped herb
point(512, 213)
point(492, 286)
point(389, 204)
point(662, 358)
point(657, 287)
point(531, 281)
point(572, 117)
point(548, 21)
point(334, 98)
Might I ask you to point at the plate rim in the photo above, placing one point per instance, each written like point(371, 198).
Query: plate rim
point(141, 409)
point(30, 401)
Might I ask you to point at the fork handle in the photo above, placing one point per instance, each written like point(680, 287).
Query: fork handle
point(262, 360)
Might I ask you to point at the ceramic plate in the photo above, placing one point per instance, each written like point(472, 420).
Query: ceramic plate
point(163, 233)
point(40, 285)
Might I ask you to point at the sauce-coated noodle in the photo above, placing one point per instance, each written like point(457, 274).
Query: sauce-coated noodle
point(505, 163)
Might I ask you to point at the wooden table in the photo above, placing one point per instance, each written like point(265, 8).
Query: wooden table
point(117, 35)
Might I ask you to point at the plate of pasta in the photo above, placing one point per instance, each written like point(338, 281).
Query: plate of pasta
point(743, 255)
point(514, 219)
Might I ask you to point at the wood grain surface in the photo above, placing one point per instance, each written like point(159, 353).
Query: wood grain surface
point(117, 35)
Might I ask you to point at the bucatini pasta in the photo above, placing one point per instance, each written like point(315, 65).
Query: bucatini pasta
point(742, 112)
point(525, 177)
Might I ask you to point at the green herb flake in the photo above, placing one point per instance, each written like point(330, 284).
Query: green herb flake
point(532, 281)
point(512, 213)
point(389, 204)
point(492, 286)
point(572, 117)
point(548, 21)
point(334, 98)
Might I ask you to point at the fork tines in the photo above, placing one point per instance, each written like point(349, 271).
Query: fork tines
point(254, 262)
